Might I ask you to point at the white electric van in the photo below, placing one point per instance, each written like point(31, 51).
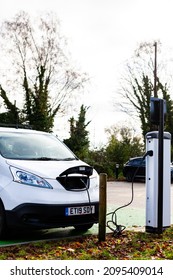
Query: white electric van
point(43, 184)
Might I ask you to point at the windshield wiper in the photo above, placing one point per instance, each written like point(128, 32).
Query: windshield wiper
point(53, 159)
point(44, 158)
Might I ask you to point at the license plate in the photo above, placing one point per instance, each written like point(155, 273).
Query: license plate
point(79, 210)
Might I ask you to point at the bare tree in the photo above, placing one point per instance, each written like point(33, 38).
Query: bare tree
point(138, 87)
point(40, 73)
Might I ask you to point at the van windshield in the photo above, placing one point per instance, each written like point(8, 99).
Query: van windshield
point(33, 146)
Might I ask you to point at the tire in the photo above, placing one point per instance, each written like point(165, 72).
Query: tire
point(2, 220)
point(129, 176)
point(83, 227)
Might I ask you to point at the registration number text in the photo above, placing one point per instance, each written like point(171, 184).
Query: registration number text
point(80, 210)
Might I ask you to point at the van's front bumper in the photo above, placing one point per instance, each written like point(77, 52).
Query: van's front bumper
point(41, 216)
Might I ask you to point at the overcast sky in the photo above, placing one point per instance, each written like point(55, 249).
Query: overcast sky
point(102, 35)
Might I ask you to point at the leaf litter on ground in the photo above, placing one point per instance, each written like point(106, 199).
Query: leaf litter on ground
point(129, 245)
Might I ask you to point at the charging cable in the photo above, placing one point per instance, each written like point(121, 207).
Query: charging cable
point(112, 224)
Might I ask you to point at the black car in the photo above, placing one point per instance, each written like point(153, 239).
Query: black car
point(136, 166)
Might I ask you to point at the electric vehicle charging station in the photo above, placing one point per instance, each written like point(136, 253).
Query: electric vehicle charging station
point(158, 177)
point(152, 189)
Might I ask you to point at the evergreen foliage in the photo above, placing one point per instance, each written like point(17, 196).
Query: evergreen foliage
point(79, 140)
point(122, 145)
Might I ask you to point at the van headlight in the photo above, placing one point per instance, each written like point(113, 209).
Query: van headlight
point(94, 180)
point(27, 178)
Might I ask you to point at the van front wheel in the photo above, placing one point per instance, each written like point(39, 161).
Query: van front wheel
point(2, 220)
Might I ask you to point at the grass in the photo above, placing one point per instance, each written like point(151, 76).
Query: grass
point(130, 245)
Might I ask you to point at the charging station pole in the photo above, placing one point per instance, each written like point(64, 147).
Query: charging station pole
point(158, 176)
point(160, 167)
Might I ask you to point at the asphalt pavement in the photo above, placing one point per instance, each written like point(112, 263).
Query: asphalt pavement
point(134, 212)
point(130, 201)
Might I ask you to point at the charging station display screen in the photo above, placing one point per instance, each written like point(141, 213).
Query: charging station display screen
point(155, 110)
